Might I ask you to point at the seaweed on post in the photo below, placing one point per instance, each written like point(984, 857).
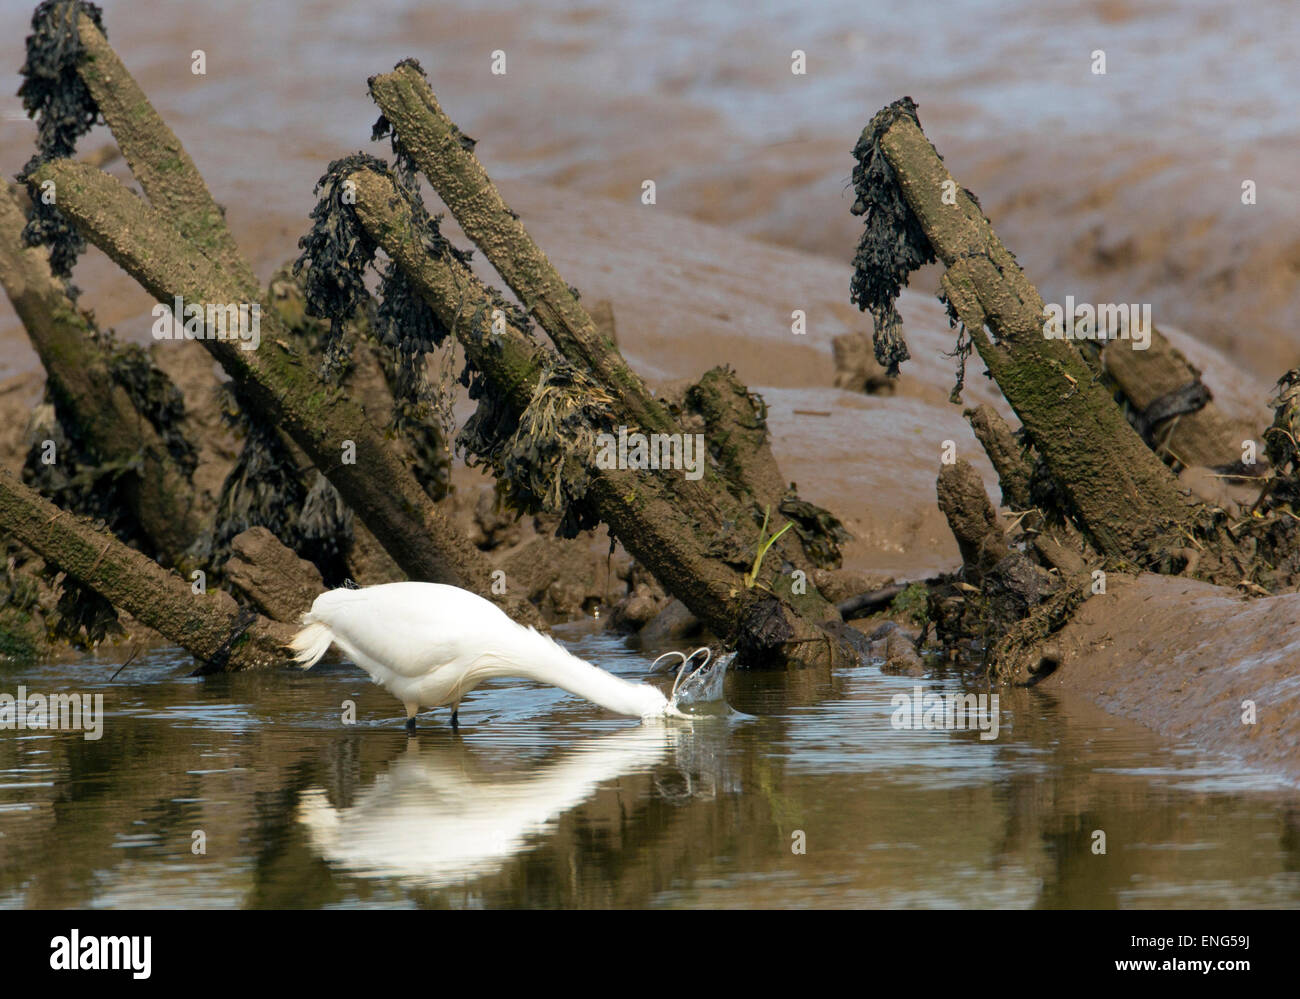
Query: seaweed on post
point(424, 136)
point(892, 244)
point(117, 423)
point(532, 449)
point(1123, 497)
point(378, 486)
point(211, 627)
point(54, 94)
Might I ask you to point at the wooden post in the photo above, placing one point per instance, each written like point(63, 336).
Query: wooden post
point(155, 155)
point(639, 509)
point(1124, 497)
point(438, 148)
point(1176, 410)
point(161, 494)
point(328, 426)
point(211, 629)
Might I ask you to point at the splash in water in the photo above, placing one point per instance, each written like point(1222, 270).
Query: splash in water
point(698, 691)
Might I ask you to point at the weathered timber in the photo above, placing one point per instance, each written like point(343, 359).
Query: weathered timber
point(210, 628)
point(1122, 495)
point(425, 133)
point(438, 148)
point(737, 434)
point(1006, 454)
point(639, 510)
point(971, 516)
point(1172, 407)
point(273, 577)
point(286, 391)
point(1059, 544)
point(155, 155)
point(160, 493)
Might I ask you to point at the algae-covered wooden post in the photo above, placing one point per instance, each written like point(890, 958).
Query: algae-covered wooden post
point(160, 493)
point(737, 429)
point(333, 430)
point(423, 134)
point(640, 510)
point(1005, 452)
point(1173, 408)
point(447, 159)
point(211, 628)
point(155, 155)
point(1126, 499)
point(178, 245)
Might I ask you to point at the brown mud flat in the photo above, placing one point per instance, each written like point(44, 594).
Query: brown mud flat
point(1182, 657)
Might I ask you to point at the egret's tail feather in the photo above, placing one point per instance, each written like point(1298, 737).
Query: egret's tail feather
point(311, 643)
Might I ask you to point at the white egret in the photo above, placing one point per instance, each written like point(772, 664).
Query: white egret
point(429, 644)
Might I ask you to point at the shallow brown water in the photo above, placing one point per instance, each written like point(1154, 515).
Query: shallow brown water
point(542, 800)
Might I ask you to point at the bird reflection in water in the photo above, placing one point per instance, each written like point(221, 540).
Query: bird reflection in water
point(427, 819)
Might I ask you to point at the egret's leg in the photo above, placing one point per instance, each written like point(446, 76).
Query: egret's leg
point(455, 717)
point(411, 709)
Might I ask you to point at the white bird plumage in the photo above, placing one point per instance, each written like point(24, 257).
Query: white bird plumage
point(429, 644)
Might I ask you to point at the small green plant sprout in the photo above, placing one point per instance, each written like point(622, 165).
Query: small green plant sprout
point(751, 577)
point(912, 604)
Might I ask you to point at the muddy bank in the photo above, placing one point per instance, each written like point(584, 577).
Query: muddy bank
point(1184, 658)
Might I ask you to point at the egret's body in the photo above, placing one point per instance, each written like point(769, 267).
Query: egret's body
point(429, 644)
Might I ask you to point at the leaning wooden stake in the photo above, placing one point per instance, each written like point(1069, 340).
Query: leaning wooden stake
point(443, 154)
point(182, 246)
point(639, 509)
point(155, 155)
point(440, 151)
point(161, 495)
point(212, 630)
point(1173, 408)
point(330, 428)
point(1123, 495)
point(423, 132)
point(1006, 454)
point(737, 431)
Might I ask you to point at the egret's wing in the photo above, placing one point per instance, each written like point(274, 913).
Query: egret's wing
point(412, 628)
